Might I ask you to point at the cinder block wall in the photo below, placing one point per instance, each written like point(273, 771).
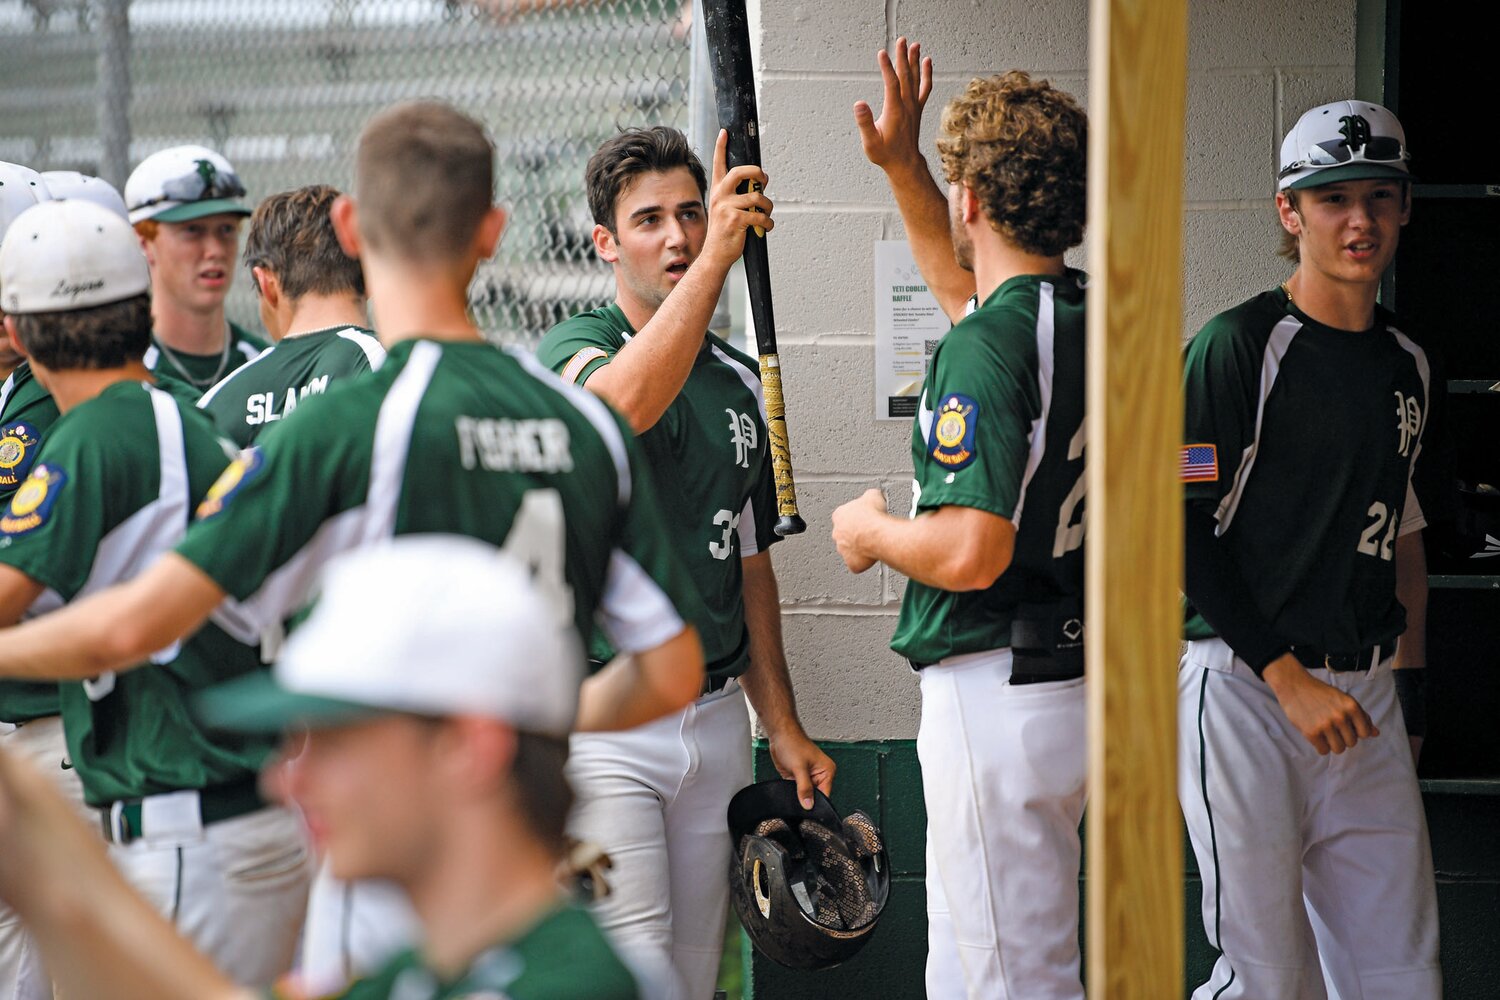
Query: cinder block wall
point(1253, 67)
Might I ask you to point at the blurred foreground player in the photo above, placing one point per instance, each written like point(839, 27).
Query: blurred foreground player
point(425, 745)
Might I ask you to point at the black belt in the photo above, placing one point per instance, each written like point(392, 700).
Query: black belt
point(1030, 669)
point(713, 683)
point(1314, 658)
point(214, 804)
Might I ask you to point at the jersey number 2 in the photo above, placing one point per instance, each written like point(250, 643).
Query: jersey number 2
point(1069, 535)
point(537, 539)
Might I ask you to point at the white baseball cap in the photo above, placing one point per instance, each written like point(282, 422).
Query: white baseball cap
point(20, 188)
point(1343, 141)
point(437, 625)
point(183, 183)
point(65, 255)
point(64, 184)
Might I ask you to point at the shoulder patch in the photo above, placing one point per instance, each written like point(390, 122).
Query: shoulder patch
point(18, 444)
point(578, 362)
point(953, 427)
point(32, 503)
point(1200, 463)
point(245, 467)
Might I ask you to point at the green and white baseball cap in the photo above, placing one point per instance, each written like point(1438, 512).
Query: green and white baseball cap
point(65, 255)
point(1343, 141)
point(437, 625)
point(183, 183)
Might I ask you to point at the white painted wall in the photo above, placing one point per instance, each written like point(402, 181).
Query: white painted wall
point(1254, 66)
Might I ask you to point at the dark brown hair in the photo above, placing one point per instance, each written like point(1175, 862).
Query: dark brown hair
point(106, 336)
point(291, 235)
point(424, 179)
point(633, 152)
point(544, 795)
point(1022, 147)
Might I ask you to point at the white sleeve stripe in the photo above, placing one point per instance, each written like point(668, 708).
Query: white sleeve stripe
point(374, 353)
point(593, 408)
point(1412, 517)
point(211, 393)
point(578, 362)
point(634, 612)
point(750, 378)
point(748, 546)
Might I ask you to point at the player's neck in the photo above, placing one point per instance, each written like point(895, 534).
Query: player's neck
point(1340, 304)
point(324, 312)
point(996, 262)
point(411, 301)
point(71, 387)
point(188, 331)
point(482, 889)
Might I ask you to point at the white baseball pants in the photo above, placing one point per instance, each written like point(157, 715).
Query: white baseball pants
point(40, 743)
point(1003, 771)
point(236, 888)
point(1304, 856)
point(656, 799)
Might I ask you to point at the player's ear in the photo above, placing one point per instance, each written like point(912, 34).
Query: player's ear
point(480, 749)
point(605, 245)
point(12, 336)
point(267, 285)
point(491, 229)
point(346, 225)
point(1286, 211)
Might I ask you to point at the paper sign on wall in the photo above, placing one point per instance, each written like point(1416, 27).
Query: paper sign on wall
point(908, 325)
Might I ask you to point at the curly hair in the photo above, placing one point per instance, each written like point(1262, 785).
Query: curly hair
point(1022, 147)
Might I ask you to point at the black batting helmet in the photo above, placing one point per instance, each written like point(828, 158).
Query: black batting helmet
point(807, 885)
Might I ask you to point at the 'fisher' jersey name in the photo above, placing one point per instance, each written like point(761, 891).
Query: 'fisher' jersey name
point(260, 407)
point(514, 445)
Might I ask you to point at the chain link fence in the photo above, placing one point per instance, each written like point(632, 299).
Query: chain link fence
point(282, 88)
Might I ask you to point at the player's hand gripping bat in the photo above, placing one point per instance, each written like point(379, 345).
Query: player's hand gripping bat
point(734, 87)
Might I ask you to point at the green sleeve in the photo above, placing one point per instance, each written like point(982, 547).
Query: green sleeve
point(271, 502)
point(639, 614)
point(57, 517)
point(983, 393)
point(180, 389)
point(576, 348)
point(1221, 382)
point(760, 533)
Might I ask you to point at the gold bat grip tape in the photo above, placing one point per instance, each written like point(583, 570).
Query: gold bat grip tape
point(781, 452)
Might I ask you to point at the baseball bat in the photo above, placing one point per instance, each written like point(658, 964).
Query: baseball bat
point(734, 90)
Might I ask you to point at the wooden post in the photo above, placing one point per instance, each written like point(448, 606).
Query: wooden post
point(1137, 98)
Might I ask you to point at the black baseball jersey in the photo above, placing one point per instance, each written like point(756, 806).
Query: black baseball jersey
point(1000, 428)
point(1301, 440)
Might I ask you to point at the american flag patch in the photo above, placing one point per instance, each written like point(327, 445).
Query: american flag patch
point(1200, 463)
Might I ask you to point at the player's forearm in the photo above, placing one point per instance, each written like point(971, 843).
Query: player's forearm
point(635, 689)
point(1216, 588)
point(1411, 591)
point(924, 212)
point(650, 370)
point(114, 629)
point(952, 548)
point(767, 682)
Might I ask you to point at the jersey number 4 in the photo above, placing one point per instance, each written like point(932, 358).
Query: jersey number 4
point(537, 538)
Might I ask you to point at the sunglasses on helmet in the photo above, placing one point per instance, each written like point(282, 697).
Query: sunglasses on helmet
point(1377, 149)
point(204, 182)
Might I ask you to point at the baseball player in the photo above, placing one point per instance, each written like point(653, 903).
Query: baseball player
point(184, 204)
point(447, 779)
point(655, 797)
point(114, 486)
point(1306, 410)
point(992, 616)
point(449, 435)
point(312, 302)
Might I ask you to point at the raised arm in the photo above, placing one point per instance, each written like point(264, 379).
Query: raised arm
point(892, 143)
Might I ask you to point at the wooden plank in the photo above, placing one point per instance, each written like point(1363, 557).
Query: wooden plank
point(1137, 102)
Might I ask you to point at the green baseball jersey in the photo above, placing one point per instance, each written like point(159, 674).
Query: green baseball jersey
point(1000, 428)
point(114, 487)
point(710, 456)
point(269, 387)
point(564, 956)
point(1301, 440)
point(188, 376)
point(460, 438)
point(27, 413)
